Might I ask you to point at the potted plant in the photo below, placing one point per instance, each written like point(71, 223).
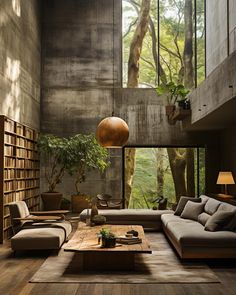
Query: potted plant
point(54, 157)
point(174, 93)
point(108, 238)
point(84, 154)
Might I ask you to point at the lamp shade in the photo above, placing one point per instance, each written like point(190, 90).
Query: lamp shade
point(225, 177)
point(112, 132)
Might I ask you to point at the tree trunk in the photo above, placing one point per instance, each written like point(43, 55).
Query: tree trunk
point(177, 166)
point(158, 65)
point(159, 154)
point(188, 45)
point(190, 172)
point(137, 42)
point(129, 173)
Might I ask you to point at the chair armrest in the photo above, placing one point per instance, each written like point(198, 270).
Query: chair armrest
point(38, 218)
point(53, 212)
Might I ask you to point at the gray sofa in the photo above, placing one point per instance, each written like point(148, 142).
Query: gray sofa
point(191, 240)
point(188, 237)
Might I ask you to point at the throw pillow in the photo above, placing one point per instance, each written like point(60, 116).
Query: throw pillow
point(219, 220)
point(203, 217)
point(192, 210)
point(182, 202)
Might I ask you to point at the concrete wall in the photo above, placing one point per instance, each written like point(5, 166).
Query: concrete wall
point(216, 33)
point(78, 86)
point(220, 31)
point(232, 26)
point(20, 60)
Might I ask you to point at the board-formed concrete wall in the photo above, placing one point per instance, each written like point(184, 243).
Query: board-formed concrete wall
point(220, 32)
point(20, 60)
point(79, 88)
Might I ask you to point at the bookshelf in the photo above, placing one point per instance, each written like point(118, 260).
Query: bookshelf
point(19, 173)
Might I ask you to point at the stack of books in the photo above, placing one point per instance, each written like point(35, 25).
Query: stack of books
point(128, 240)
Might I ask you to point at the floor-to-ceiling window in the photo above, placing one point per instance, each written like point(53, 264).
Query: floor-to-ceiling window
point(163, 41)
point(169, 172)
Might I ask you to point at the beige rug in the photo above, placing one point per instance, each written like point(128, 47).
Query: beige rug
point(163, 266)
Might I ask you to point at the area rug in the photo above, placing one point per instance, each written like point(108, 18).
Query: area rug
point(162, 266)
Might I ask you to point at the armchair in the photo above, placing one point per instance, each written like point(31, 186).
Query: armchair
point(40, 230)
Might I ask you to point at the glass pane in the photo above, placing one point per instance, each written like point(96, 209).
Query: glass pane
point(148, 59)
point(171, 39)
point(200, 30)
point(152, 174)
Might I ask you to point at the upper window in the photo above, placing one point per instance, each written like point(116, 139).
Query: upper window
point(163, 41)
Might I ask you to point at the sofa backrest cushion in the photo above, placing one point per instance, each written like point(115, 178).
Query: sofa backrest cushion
point(18, 209)
point(192, 210)
point(182, 202)
point(204, 198)
point(203, 217)
point(211, 206)
point(219, 220)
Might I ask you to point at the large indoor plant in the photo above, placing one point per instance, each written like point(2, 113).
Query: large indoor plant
point(53, 155)
point(84, 154)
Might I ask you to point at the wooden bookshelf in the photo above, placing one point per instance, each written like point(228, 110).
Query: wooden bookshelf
point(19, 173)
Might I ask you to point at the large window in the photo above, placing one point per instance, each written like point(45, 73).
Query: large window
point(163, 40)
point(154, 172)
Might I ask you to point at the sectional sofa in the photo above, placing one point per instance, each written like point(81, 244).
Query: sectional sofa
point(188, 235)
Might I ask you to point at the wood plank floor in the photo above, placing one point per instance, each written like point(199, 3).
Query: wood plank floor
point(15, 273)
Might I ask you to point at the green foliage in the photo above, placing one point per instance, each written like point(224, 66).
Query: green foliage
point(172, 40)
point(144, 186)
point(76, 155)
point(106, 234)
point(84, 154)
point(174, 92)
point(53, 153)
point(65, 201)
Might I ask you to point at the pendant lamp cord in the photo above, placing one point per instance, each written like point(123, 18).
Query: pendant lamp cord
point(113, 57)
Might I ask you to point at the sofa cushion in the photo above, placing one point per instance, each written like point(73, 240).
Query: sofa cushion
point(219, 220)
point(204, 198)
point(129, 214)
point(182, 202)
point(192, 210)
point(193, 234)
point(171, 218)
point(203, 217)
point(211, 206)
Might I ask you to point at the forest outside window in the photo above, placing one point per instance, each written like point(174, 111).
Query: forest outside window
point(163, 41)
point(169, 172)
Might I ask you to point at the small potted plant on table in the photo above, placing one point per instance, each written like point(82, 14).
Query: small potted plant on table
point(108, 238)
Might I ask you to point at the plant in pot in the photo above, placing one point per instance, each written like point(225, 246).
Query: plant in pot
point(174, 93)
point(84, 154)
point(53, 155)
point(108, 238)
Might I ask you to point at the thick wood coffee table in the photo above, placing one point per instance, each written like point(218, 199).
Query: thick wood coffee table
point(121, 257)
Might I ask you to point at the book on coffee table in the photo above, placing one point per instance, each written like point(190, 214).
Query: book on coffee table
point(128, 240)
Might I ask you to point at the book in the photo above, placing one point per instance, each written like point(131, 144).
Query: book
point(128, 241)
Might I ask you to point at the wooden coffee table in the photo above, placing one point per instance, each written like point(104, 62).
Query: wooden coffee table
point(94, 257)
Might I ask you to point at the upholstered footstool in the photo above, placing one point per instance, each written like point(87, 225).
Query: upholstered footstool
point(148, 218)
point(40, 237)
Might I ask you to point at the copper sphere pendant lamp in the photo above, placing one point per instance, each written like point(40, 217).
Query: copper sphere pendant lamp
point(112, 132)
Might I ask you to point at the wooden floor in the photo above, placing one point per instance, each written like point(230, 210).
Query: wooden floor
point(15, 273)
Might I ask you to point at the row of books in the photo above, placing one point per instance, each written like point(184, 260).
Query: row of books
point(21, 195)
point(20, 184)
point(21, 163)
point(12, 173)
